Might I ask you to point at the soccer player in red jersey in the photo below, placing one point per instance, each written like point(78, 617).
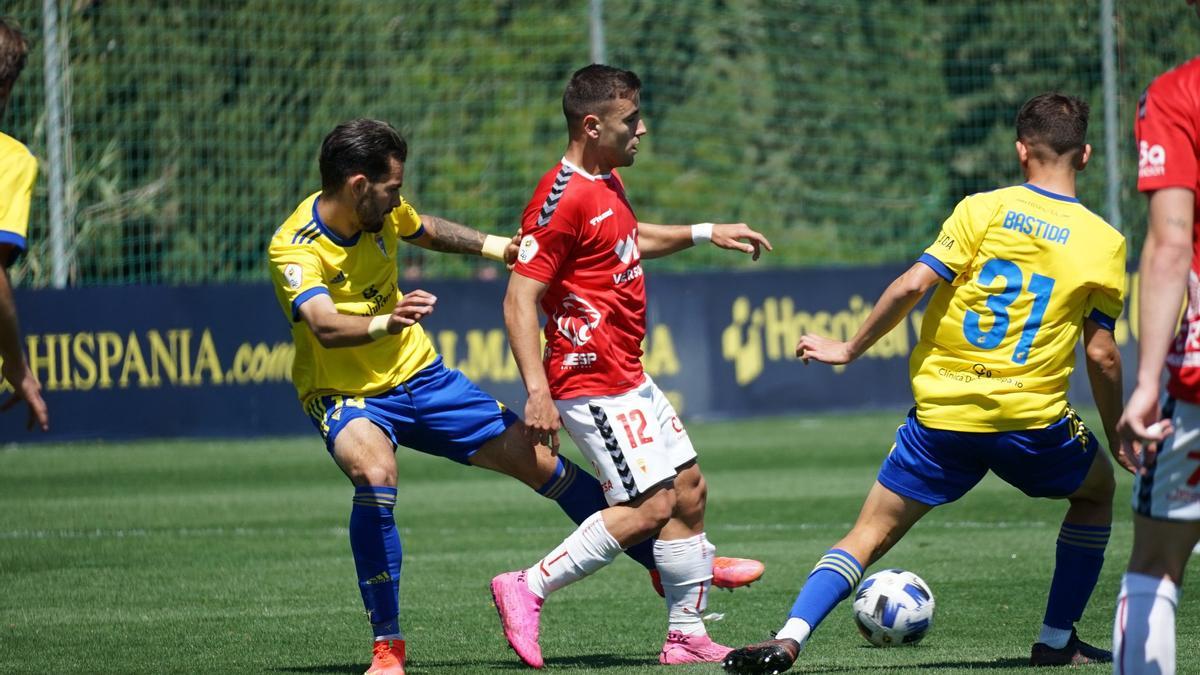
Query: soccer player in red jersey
point(579, 260)
point(1166, 494)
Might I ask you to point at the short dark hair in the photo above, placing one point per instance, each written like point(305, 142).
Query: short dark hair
point(360, 146)
point(14, 49)
point(1054, 125)
point(591, 87)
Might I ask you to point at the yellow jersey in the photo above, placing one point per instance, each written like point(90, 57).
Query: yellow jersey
point(1025, 268)
point(18, 172)
point(359, 274)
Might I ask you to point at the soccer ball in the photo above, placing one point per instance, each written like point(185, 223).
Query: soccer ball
point(893, 607)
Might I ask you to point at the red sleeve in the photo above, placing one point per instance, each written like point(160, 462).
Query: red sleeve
point(546, 248)
point(1167, 137)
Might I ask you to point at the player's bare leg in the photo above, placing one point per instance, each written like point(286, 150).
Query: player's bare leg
point(366, 455)
point(1080, 555)
point(1144, 628)
point(513, 455)
point(884, 519)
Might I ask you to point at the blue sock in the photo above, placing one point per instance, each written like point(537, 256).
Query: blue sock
point(1077, 565)
point(830, 582)
point(375, 543)
point(579, 495)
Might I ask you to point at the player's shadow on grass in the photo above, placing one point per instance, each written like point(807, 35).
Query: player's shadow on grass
point(417, 667)
point(896, 668)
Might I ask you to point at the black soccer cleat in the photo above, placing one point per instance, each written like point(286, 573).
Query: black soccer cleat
point(1076, 652)
point(772, 656)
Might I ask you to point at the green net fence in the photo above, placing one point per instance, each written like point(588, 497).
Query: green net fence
point(843, 129)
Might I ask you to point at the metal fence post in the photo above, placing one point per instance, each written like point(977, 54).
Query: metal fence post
point(1112, 142)
point(55, 132)
point(597, 25)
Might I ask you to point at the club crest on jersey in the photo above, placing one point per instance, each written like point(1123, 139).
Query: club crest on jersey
point(294, 275)
point(528, 249)
point(381, 245)
point(576, 319)
point(627, 250)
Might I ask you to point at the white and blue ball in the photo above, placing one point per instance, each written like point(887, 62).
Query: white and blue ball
point(893, 607)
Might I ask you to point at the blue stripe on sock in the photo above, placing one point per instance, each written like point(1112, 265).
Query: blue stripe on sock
point(1079, 556)
point(553, 483)
point(831, 581)
point(375, 543)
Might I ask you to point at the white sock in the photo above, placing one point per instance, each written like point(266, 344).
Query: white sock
point(796, 629)
point(685, 567)
point(1144, 630)
point(586, 550)
point(1054, 637)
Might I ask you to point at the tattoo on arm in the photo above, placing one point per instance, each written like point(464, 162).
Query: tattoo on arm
point(450, 237)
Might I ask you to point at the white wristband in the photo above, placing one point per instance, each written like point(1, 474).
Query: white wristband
point(701, 232)
point(494, 247)
point(378, 327)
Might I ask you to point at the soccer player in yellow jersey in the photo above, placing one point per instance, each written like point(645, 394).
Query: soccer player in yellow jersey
point(368, 375)
point(18, 171)
point(1021, 273)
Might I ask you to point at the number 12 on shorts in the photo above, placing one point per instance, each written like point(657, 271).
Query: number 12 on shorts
point(631, 419)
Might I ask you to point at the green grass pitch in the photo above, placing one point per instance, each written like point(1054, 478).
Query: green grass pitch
point(232, 557)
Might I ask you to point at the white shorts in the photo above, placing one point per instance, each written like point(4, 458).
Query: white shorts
point(1170, 490)
point(634, 440)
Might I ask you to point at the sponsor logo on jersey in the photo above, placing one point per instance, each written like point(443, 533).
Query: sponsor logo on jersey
point(600, 218)
point(578, 359)
point(628, 275)
point(1152, 160)
point(338, 278)
point(294, 275)
point(528, 249)
point(576, 319)
point(627, 249)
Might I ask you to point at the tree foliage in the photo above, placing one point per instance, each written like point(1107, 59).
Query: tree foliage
point(844, 130)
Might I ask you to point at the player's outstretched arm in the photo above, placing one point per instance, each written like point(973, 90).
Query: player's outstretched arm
point(334, 329)
point(521, 319)
point(1104, 374)
point(16, 369)
point(656, 241)
point(896, 302)
point(448, 236)
point(1163, 274)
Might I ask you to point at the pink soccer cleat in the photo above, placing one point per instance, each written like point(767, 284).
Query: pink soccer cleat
point(680, 648)
point(736, 572)
point(520, 614)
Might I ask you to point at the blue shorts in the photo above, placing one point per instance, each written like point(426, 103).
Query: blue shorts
point(935, 466)
point(438, 412)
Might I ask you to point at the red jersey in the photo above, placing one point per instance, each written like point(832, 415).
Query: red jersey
point(1167, 129)
point(581, 238)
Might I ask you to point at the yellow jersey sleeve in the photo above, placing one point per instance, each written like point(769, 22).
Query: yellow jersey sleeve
point(18, 172)
point(405, 220)
point(1107, 297)
point(296, 274)
point(957, 244)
